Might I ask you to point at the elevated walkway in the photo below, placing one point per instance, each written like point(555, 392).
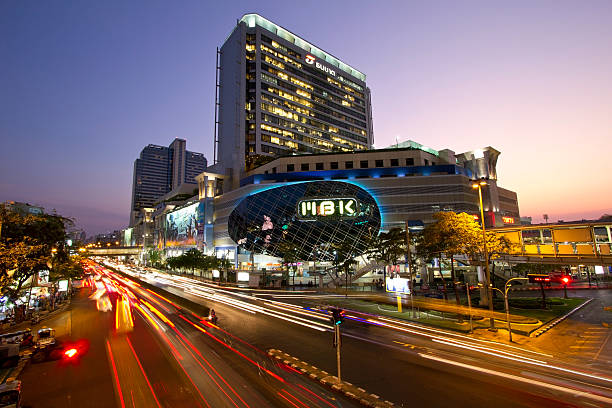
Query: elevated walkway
point(114, 251)
point(587, 243)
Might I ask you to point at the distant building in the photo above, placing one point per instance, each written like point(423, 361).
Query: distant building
point(23, 208)
point(160, 170)
point(114, 238)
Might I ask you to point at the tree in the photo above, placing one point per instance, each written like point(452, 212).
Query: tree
point(452, 234)
point(388, 247)
point(155, 257)
point(28, 245)
point(344, 258)
point(497, 246)
point(288, 252)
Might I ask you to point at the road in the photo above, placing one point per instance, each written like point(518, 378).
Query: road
point(148, 352)
point(404, 363)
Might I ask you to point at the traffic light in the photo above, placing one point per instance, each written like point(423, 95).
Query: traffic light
point(337, 316)
point(538, 278)
point(565, 280)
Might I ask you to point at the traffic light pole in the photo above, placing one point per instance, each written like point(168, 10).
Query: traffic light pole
point(337, 328)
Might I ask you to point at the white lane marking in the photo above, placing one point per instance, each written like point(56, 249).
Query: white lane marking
point(521, 379)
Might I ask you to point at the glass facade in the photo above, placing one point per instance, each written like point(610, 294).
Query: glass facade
point(311, 217)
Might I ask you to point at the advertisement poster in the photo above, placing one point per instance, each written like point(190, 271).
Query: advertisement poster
point(183, 226)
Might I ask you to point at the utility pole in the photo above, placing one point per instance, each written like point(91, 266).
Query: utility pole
point(409, 263)
point(467, 288)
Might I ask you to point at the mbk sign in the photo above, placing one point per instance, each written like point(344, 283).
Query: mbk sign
point(316, 208)
point(311, 60)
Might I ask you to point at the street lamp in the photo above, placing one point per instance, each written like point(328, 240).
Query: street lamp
point(505, 293)
point(478, 185)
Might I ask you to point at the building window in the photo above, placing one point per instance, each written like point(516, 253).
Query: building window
point(394, 162)
point(379, 163)
point(273, 170)
point(348, 165)
point(426, 162)
point(333, 165)
point(410, 162)
point(305, 166)
point(363, 164)
point(290, 167)
point(433, 163)
point(319, 166)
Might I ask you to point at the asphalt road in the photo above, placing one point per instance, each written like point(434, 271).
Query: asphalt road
point(403, 367)
point(168, 359)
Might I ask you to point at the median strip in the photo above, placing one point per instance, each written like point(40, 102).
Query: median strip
point(552, 324)
point(348, 389)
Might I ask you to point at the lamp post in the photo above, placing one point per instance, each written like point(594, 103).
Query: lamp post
point(505, 293)
point(469, 299)
point(478, 185)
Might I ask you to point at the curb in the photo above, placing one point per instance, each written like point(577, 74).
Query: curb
point(358, 394)
point(18, 369)
point(544, 329)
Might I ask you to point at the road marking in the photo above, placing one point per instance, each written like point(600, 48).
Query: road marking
point(602, 346)
point(530, 381)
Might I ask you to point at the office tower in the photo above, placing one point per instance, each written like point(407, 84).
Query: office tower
point(278, 94)
point(160, 170)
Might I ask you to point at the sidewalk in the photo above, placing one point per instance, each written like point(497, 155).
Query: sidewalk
point(44, 316)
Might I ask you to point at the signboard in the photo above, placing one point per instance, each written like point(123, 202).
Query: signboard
point(62, 285)
point(398, 285)
point(182, 226)
point(318, 208)
point(312, 60)
point(508, 220)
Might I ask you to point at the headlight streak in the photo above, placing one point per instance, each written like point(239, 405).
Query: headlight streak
point(258, 309)
point(459, 335)
point(192, 349)
point(210, 292)
point(482, 349)
point(529, 381)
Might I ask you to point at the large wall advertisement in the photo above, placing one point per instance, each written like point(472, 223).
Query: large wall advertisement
point(184, 227)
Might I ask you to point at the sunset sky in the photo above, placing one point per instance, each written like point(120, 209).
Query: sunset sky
point(85, 85)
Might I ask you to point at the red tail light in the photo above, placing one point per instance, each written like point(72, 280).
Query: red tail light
point(71, 352)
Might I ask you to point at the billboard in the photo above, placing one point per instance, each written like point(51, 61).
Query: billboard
point(184, 226)
point(398, 285)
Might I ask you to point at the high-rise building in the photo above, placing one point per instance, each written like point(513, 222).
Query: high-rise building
point(160, 170)
point(278, 94)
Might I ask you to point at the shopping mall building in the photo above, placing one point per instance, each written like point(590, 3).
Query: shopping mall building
point(314, 202)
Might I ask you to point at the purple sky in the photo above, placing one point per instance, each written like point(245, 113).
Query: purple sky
point(85, 85)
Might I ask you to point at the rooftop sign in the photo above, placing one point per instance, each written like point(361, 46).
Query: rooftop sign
point(253, 20)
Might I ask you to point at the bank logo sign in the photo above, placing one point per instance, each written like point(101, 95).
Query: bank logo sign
point(311, 60)
point(320, 208)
